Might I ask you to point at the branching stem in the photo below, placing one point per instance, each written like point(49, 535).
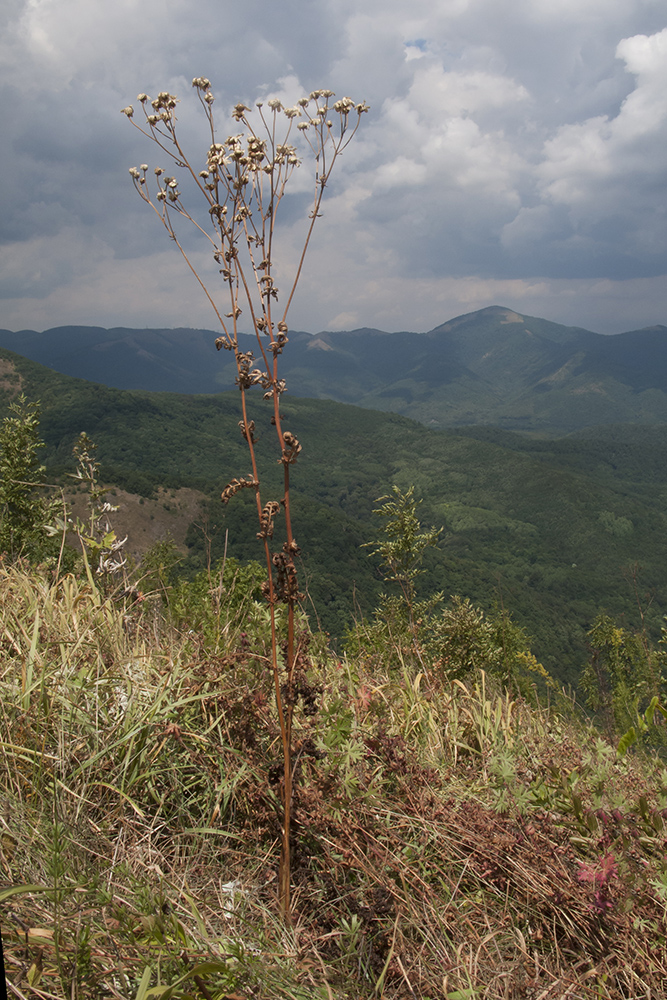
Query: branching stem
point(243, 184)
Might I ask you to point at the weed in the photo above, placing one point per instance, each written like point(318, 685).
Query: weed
point(242, 187)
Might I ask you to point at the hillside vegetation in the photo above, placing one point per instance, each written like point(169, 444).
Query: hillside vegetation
point(451, 836)
point(555, 531)
point(451, 840)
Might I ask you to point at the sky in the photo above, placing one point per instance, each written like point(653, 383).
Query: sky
point(515, 154)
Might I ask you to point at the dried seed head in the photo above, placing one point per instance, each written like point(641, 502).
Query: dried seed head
point(344, 106)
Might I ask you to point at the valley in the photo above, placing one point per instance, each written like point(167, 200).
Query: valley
point(554, 530)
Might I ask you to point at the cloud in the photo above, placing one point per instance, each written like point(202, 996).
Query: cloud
point(513, 153)
point(600, 182)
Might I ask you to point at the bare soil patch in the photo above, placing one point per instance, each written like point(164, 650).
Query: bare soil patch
point(145, 521)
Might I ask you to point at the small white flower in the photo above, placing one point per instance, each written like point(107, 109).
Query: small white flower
point(275, 104)
point(129, 111)
point(144, 167)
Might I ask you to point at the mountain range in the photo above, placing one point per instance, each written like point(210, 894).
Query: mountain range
point(493, 366)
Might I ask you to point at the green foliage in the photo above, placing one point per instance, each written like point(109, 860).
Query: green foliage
point(462, 638)
point(218, 606)
point(623, 679)
point(158, 569)
point(402, 547)
point(27, 512)
point(448, 641)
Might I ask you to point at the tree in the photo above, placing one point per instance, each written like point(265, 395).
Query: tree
point(26, 510)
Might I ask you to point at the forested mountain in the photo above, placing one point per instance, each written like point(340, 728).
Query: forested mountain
point(487, 367)
point(551, 530)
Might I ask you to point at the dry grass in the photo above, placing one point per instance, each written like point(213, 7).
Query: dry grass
point(449, 842)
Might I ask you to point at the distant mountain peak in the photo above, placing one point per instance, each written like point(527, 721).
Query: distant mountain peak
point(500, 313)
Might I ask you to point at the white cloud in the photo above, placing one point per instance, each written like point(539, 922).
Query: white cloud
point(600, 150)
point(438, 92)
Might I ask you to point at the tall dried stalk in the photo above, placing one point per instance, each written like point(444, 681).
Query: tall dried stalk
point(243, 183)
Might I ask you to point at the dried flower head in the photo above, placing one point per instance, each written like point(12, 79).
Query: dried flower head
point(344, 106)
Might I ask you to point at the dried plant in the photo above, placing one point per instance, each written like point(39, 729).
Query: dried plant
point(243, 182)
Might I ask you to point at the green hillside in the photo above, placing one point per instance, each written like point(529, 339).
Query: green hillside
point(492, 366)
point(549, 530)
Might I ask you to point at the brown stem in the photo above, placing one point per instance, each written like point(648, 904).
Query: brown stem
point(284, 717)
